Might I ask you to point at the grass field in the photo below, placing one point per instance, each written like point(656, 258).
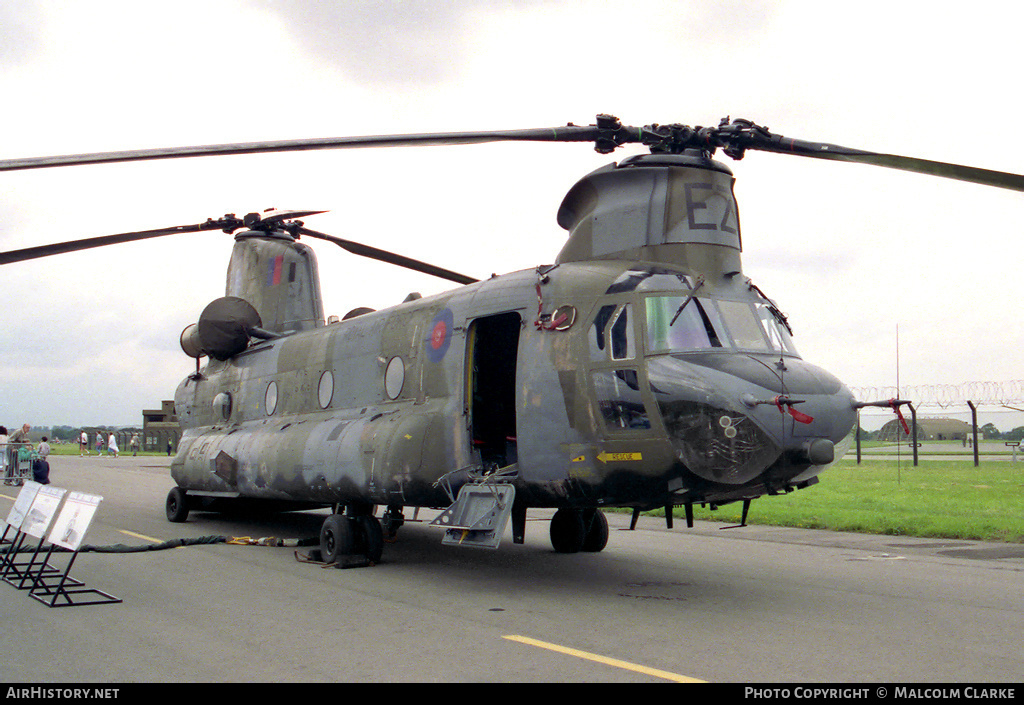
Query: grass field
point(947, 499)
point(72, 449)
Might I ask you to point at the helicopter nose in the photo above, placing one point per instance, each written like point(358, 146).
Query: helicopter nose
point(729, 417)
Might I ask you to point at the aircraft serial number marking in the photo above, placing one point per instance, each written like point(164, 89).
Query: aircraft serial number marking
point(617, 663)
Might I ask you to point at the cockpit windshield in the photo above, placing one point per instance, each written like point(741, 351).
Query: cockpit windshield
point(687, 323)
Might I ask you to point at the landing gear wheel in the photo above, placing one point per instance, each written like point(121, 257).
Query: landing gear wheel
point(177, 505)
point(567, 531)
point(596, 536)
point(372, 537)
point(337, 539)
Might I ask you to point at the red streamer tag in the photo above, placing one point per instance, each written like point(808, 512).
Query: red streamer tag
point(799, 416)
point(903, 421)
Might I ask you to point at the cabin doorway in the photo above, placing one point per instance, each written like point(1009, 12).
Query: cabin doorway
point(491, 388)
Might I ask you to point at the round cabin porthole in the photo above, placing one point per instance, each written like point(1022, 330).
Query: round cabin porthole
point(326, 389)
point(394, 377)
point(270, 401)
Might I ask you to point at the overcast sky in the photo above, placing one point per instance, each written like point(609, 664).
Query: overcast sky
point(850, 252)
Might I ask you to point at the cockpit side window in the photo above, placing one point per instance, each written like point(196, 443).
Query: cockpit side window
point(619, 400)
point(597, 340)
point(611, 336)
point(623, 345)
point(776, 330)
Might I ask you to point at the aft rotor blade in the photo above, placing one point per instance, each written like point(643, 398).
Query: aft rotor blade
point(89, 243)
point(569, 133)
point(362, 250)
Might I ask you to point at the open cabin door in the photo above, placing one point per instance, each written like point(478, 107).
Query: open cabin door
point(491, 388)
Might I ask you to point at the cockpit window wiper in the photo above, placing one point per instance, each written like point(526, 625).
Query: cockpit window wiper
point(772, 308)
point(700, 283)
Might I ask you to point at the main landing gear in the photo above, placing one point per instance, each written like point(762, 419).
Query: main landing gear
point(352, 540)
point(574, 530)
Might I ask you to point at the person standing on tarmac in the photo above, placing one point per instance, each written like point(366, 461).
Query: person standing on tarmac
point(41, 466)
point(21, 435)
point(3, 451)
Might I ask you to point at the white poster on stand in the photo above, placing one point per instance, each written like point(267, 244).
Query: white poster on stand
point(21, 505)
point(44, 506)
point(74, 520)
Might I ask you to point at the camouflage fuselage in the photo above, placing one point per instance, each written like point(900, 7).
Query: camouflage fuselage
point(378, 408)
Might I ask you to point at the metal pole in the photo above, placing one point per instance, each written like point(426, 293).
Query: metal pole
point(974, 424)
point(913, 421)
point(858, 436)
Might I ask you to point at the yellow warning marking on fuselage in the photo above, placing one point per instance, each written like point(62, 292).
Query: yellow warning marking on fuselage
point(617, 663)
point(606, 457)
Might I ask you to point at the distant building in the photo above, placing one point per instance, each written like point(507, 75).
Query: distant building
point(160, 428)
point(927, 430)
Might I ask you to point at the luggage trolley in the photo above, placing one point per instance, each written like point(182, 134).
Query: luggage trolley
point(18, 467)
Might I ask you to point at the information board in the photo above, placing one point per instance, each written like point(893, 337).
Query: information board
point(74, 519)
point(22, 504)
point(40, 514)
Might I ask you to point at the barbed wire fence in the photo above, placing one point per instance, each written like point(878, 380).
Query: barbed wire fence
point(1009, 393)
point(950, 399)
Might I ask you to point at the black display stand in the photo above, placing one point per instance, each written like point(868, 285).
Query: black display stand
point(45, 582)
point(16, 572)
point(66, 591)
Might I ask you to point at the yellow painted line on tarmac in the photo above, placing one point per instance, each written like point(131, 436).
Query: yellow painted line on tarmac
point(635, 667)
point(140, 536)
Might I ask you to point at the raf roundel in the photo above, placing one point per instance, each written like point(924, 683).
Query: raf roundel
point(439, 335)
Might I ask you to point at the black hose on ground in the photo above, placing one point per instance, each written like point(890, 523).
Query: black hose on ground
point(177, 543)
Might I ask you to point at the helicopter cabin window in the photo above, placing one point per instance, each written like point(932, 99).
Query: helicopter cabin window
point(681, 323)
point(270, 399)
point(618, 397)
point(325, 389)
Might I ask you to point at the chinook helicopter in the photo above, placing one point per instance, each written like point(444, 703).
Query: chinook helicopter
point(641, 369)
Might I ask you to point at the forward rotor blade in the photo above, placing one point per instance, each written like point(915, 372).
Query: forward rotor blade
point(820, 150)
point(570, 133)
point(607, 134)
point(357, 248)
point(88, 243)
